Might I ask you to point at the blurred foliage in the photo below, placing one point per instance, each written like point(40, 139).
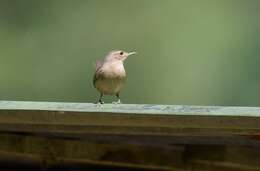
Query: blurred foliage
point(189, 51)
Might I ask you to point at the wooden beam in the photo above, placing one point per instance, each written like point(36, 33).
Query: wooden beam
point(132, 123)
point(132, 108)
point(16, 161)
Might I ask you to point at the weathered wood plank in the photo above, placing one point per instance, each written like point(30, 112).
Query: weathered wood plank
point(37, 162)
point(133, 123)
point(205, 165)
point(26, 127)
point(133, 108)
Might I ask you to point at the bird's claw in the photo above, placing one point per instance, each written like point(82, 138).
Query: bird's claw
point(99, 104)
point(117, 102)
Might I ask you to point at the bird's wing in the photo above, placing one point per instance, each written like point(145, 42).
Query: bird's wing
point(98, 71)
point(98, 75)
point(98, 64)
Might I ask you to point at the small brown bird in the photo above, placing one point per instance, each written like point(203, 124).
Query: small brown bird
point(110, 74)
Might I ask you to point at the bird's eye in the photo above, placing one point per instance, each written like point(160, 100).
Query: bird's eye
point(121, 53)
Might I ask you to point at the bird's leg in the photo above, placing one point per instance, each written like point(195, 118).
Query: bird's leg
point(100, 99)
point(118, 99)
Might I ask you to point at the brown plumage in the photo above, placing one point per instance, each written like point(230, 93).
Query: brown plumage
point(110, 74)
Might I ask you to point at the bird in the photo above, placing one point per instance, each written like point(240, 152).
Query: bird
point(110, 74)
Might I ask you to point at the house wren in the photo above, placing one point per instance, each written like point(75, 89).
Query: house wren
point(110, 74)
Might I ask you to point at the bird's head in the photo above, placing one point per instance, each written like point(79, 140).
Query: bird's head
point(118, 55)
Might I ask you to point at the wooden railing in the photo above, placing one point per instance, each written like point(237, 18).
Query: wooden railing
point(190, 135)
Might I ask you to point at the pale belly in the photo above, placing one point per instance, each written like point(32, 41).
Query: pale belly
point(109, 86)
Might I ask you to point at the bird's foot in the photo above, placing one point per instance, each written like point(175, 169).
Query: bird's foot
point(117, 102)
point(101, 102)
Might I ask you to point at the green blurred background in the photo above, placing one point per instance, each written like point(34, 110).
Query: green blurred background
point(200, 52)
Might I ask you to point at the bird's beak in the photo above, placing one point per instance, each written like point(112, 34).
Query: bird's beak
point(131, 53)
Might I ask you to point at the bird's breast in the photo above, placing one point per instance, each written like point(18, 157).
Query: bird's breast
point(114, 69)
point(111, 78)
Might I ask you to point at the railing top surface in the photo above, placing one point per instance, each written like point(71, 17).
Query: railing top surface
point(132, 108)
point(133, 123)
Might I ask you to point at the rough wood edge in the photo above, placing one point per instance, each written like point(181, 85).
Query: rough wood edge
point(133, 108)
